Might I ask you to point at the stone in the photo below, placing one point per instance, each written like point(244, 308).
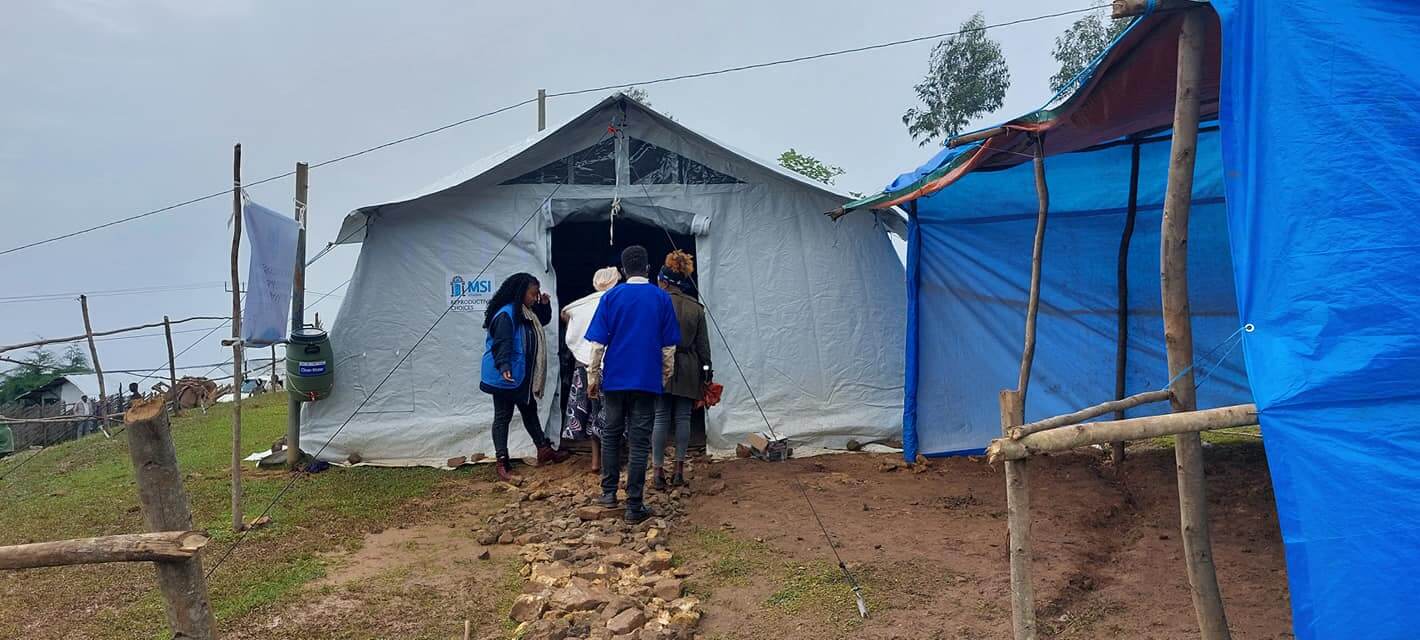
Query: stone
point(597, 512)
point(685, 619)
point(457, 461)
point(618, 604)
point(485, 555)
point(713, 487)
point(623, 558)
point(658, 560)
point(531, 537)
point(506, 537)
point(889, 465)
point(606, 541)
point(551, 573)
point(742, 451)
point(626, 621)
point(527, 607)
point(713, 472)
point(668, 589)
point(655, 536)
point(559, 552)
point(489, 536)
point(579, 595)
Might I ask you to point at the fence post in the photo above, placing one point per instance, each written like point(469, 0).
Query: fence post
point(164, 501)
point(98, 370)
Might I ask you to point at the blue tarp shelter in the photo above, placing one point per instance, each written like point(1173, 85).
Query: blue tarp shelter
point(1307, 183)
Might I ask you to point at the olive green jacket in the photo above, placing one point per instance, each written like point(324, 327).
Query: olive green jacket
point(693, 352)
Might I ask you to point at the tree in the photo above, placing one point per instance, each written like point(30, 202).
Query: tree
point(810, 166)
point(1079, 45)
point(40, 368)
point(966, 77)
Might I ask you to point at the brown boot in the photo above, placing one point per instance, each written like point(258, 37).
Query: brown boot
point(658, 479)
point(678, 479)
point(546, 454)
point(501, 468)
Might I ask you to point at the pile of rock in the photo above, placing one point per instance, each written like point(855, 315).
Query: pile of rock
point(589, 573)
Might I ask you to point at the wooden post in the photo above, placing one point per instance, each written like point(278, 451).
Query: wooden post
point(1083, 435)
point(541, 109)
point(1178, 333)
point(237, 523)
point(1117, 406)
point(1018, 525)
point(298, 314)
point(1121, 344)
point(165, 508)
point(1013, 407)
point(98, 369)
point(273, 366)
point(172, 362)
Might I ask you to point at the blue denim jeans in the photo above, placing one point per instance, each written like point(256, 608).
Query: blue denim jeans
point(629, 416)
point(671, 412)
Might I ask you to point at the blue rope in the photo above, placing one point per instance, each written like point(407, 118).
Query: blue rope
point(1231, 342)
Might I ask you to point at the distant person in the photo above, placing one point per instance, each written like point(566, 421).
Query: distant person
point(84, 412)
point(133, 394)
point(514, 368)
point(687, 380)
point(585, 418)
point(634, 335)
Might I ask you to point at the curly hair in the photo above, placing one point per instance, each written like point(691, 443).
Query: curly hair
point(510, 292)
point(681, 262)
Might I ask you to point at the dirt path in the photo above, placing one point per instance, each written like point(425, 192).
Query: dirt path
point(927, 547)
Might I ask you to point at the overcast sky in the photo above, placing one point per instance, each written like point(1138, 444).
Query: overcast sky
point(115, 107)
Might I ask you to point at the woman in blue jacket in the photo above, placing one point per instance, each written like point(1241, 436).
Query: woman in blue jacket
point(515, 363)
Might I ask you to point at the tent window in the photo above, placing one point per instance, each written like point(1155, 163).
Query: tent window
point(651, 164)
point(595, 165)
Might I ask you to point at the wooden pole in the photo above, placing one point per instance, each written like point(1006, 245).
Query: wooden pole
point(98, 369)
point(1115, 406)
point(172, 361)
point(1018, 525)
point(1013, 406)
point(541, 109)
point(298, 313)
point(1178, 333)
point(1083, 435)
point(96, 334)
point(237, 523)
point(164, 502)
point(1131, 8)
point(132, 547)
point(976, 136)
point(1121, 344)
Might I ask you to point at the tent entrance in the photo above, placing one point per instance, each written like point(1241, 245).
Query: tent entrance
point(580, 248)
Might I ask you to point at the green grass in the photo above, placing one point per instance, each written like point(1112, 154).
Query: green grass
point(1240, 435)
point(85, 488)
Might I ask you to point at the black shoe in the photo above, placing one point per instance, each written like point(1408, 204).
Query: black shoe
point(635, 515)
point(658, 479)
point(607, 500)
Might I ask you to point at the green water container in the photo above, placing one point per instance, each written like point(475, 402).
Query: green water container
point(310, 365)
point(7, 441)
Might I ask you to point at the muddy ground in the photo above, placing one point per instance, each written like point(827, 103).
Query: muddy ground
point(929, 549)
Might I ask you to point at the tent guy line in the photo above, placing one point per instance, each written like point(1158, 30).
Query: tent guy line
point(688, 76)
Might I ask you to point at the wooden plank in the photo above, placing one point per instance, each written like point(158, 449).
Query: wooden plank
point(164, 501)
point(1016, 433)
point(1178, 332)
point(165, 546)
point(1084, 435)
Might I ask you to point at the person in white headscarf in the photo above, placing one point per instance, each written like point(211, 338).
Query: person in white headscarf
point(584, 413)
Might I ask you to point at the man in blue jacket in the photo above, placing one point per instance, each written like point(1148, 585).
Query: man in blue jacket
point(634, 335)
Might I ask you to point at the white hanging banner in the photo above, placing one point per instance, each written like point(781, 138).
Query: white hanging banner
point(272, 269)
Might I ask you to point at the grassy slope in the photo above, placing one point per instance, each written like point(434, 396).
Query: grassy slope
point(85, 488)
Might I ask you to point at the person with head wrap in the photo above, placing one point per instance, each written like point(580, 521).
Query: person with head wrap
point(585, 418)
point(687, 381)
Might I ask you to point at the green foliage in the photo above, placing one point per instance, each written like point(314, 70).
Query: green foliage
point(810, 166)
point(966, 77)
point(40, 368)
point(1079, 45)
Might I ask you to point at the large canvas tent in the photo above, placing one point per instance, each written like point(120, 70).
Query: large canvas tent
point(1304, 194)
point(806, 313)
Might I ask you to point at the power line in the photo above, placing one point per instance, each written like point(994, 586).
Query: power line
point(46, 297)
point(510, 107)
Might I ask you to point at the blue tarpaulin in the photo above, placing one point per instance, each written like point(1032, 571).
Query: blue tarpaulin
point(1306, 187)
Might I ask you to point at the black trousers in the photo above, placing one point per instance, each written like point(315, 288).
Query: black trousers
point(629, 416)
point(503, 416)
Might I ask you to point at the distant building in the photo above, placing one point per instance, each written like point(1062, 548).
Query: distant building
point(63, 391)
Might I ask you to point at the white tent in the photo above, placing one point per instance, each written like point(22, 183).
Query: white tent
point(811, 309)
